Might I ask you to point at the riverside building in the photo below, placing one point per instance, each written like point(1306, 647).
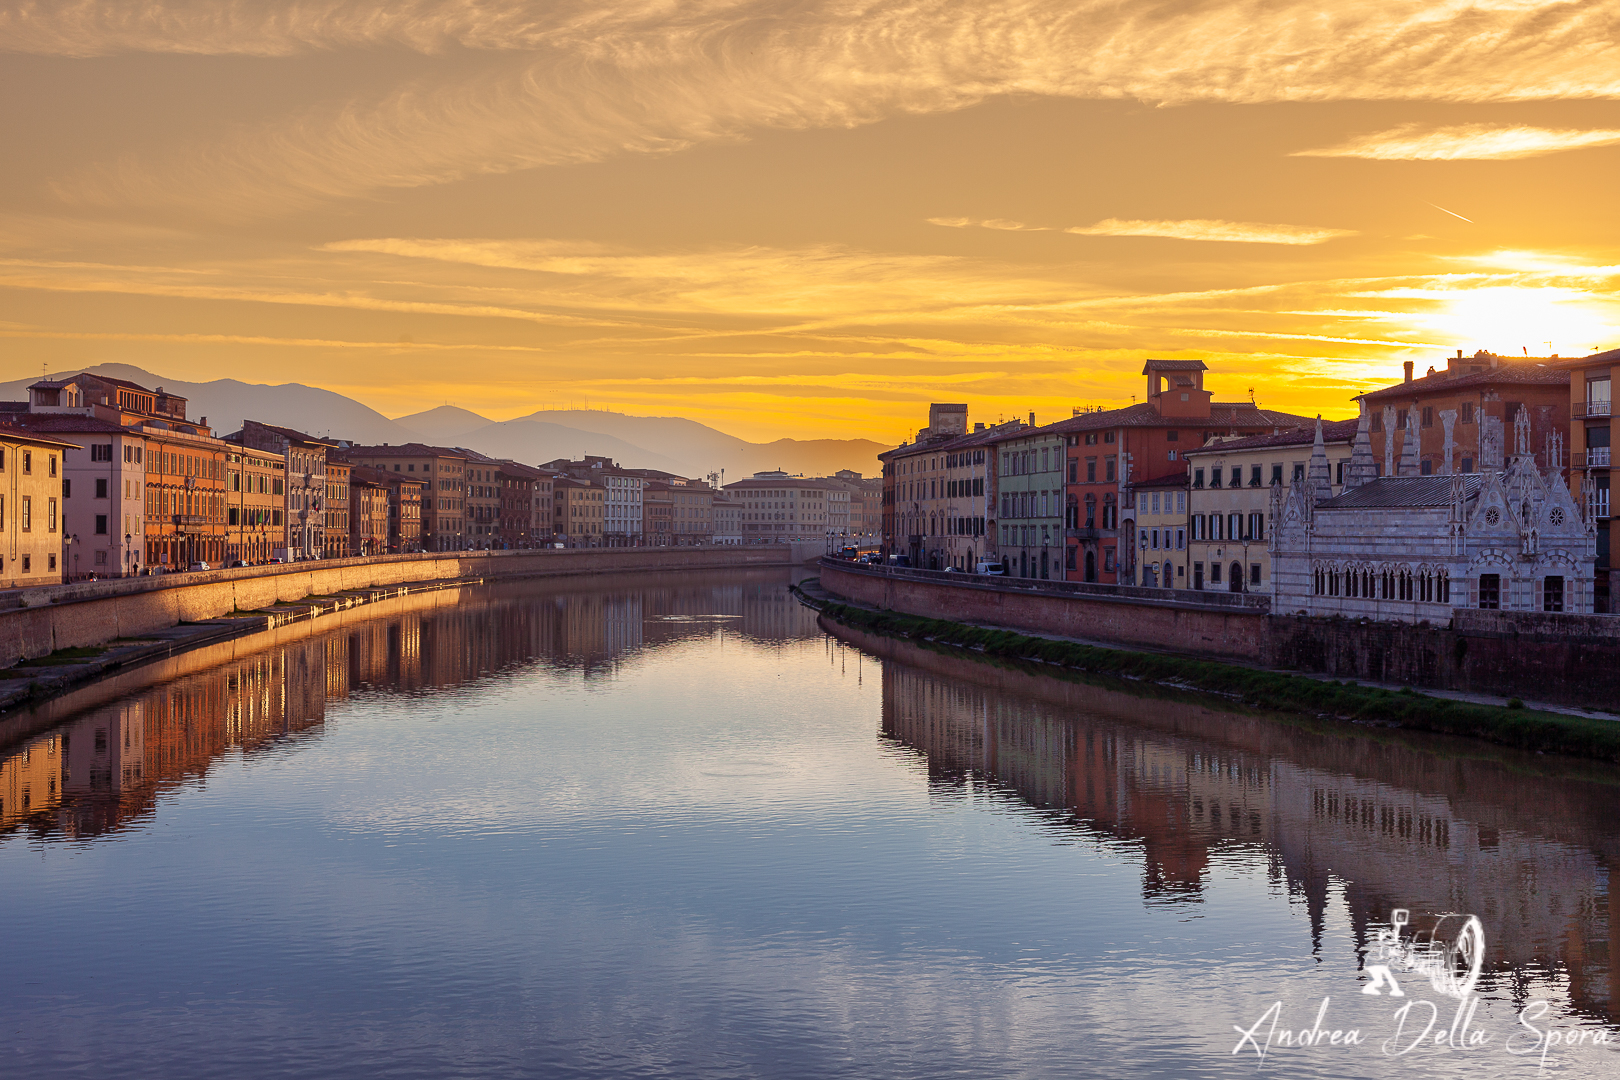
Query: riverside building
point(1230, 500)
point(1112, 450)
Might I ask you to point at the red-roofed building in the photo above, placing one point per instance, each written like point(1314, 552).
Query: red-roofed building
point(1111, 451)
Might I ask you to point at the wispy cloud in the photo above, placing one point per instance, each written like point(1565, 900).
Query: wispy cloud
point(987, 223)
point(1236, 232)
point(581, 81)
point(1465, 142)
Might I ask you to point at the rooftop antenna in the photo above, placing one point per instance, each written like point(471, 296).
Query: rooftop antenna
point(1251, 395)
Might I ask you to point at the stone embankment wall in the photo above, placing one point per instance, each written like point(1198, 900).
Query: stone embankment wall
point(93, 613)
point(1225, 631)
point(1564, 659)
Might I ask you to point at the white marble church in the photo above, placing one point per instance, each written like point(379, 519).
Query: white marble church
point(1409, 548)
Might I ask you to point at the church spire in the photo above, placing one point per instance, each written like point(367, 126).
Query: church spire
point(1363, 468)
point(1409, 446)
point(1321, 479)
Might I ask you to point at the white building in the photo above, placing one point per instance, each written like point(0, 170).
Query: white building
point(1410, 548)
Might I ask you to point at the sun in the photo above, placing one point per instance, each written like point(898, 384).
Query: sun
point(1538, 321)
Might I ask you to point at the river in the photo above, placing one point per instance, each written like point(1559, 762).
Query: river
point(681, 827)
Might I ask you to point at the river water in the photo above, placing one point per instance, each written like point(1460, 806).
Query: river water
point(629, 828)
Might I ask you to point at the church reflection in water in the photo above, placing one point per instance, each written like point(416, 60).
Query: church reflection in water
point(106, 763)
point(1383, 820)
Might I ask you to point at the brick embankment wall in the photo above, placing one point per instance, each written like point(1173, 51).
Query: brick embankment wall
point(1556, 658)
point(1225, 632)
point(93, 613)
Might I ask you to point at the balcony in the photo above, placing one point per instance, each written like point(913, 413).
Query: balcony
point(1596, 457)
point(1590, 409)
point(1597, 505)
point(1084, 533)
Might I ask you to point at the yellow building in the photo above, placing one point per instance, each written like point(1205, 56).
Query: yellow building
point(579, 506)
point(255, 493)
point(1161, 525)
point(1229, 500)
point(31, 533)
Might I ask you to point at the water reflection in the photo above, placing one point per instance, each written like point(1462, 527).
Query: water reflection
point(1381, 820)
point(107, 767)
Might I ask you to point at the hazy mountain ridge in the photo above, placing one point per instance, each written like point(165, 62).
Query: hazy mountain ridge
point(667, 443)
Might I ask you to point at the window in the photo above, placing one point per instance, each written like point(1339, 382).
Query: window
point(1400, 418)
point(1276, 475)
point(1215, 476)
point(1215, 573)
point(1428, 416)
point(1427, 467)
point(50, 514)
point(1377, 421)
point(1155, 502)
point(1467, 464)
point(1257, 527)
point(1465, 412)
point(1254, 573)
point(1181, 539)
point(101, 524)
point(1299, 471)
point(1108, 559)
point(28, 462)
point(1552, 594)
point(1108, 470)
point(1074, 469)
point(1108, 437)
point(1254, 476)
point(1490, 591)
point(28, 564)
point(1198, 479)
point(101, 451)
point(101, 490)
point(50, 460)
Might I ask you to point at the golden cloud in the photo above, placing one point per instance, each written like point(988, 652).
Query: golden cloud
point(581, 81)
point(1466, 142)
point(1235, 232)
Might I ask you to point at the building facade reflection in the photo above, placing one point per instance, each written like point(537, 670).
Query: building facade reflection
point(1386, 822)
point(105, 767)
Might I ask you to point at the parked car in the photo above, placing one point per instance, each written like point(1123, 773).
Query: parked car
point(274, 562)
point(992, 568)
point(952, 570)
point(199, 566)
point(236, 563)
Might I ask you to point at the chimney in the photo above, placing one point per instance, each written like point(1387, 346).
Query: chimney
point(1032, 418)
point(1459, 354)
point(1409, 371)
point(978, 427)
point(203, 421)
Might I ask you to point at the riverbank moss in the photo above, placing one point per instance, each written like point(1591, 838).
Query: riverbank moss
point(1515, 726)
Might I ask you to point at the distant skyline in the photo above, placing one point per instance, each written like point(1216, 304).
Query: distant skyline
point(805, 220)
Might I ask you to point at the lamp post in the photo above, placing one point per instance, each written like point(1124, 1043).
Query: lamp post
point(128, 569)
point(74, 539)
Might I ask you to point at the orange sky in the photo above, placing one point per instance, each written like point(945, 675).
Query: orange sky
point(805, 219)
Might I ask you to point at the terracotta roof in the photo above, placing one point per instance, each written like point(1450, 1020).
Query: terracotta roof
point(1172, 480)
point(1174, 365)
point(1335, 432)
point(1404, 491)
point(402, 450)
point(291, 434)
point(1598, 359)
point(70, 422)
point(1509, 373)
point(1239, 414)
point(11, 431)
point(1012, 429)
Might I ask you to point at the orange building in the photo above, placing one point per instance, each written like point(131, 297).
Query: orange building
point(1109, 450)
point(1463, 416)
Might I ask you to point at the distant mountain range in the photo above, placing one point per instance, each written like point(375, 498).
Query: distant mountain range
point(668, 443)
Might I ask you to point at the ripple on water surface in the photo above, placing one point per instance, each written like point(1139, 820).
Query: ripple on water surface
point(621, 828)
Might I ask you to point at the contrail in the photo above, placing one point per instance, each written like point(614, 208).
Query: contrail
point(1459, 217)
